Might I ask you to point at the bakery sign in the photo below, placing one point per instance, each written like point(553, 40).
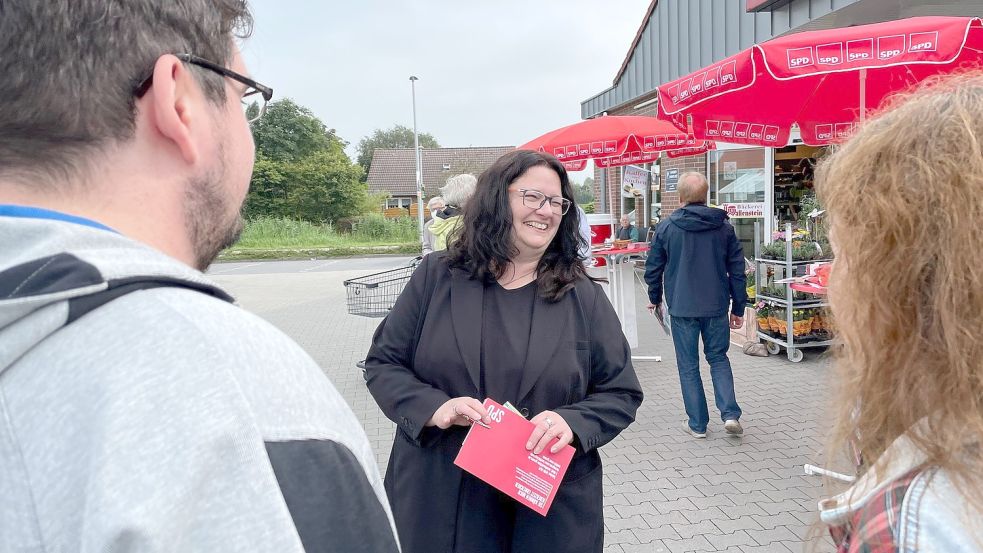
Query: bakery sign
point(745, 210)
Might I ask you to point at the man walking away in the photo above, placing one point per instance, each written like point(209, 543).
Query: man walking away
point(140, 408)
point(697, 255)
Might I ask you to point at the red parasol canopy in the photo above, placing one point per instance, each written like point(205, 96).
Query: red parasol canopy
point(615, 140)
point(824, 81)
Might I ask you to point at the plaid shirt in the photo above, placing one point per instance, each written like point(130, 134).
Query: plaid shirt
point(875, 527)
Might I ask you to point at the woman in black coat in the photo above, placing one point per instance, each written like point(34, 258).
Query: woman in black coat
point(507, 313)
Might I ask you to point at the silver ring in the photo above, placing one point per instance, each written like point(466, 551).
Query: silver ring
point(549, 422)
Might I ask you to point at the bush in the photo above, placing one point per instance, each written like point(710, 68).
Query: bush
point(375, 227)
point(588, 208)
point(346, 224)
point(272, 233)
point(269, 232)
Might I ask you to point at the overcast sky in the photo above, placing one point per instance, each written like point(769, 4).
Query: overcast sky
point(492, 72)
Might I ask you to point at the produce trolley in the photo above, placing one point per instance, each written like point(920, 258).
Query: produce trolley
point(790, 302)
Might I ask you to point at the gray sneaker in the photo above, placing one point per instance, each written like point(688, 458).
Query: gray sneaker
point(692, 432)
point(733, 427)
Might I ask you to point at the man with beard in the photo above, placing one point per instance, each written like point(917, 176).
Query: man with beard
point(140, 409)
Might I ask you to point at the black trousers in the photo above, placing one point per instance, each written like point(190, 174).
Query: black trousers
point(488, 521)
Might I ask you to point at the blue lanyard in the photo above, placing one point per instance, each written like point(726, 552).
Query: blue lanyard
point(7, 210)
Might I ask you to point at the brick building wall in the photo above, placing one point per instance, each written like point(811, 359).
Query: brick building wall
point(612, 191)
point(670, 200)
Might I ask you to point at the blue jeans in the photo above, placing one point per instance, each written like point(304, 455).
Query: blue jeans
point(686, 333)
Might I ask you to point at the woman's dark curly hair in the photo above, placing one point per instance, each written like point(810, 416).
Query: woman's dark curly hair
point(483, 246)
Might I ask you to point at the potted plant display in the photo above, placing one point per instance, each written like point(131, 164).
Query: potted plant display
point(762, 310)
point(801, 323)
point(775, 250)
point(781, 323)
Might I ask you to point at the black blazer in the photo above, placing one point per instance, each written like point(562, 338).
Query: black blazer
point(427, 351)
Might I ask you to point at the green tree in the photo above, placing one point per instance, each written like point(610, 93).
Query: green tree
point(267, 190)
point(290, 132)
point(326, 186)
point(374, 202)
point(584, 192)
point(396, 137)
point(301, 168)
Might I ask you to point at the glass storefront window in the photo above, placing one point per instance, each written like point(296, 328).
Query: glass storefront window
point(739, 177)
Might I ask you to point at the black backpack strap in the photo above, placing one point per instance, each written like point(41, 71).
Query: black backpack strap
point(80, 306)
point(64, 272)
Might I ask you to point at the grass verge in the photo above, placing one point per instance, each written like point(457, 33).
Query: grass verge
point(236, 253)
point(277, 238)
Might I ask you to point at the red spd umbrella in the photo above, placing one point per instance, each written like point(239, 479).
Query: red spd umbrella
point(824, 81)
point(612, 141)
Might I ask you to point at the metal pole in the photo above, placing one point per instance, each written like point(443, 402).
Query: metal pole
point(603, 192)
point(646, 208)
point(621, 193)
point(419, 173)
point(863, 95)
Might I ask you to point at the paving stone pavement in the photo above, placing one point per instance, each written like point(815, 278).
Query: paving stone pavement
point(663, 490)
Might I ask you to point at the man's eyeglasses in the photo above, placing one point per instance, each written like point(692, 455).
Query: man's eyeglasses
point(534, 199)
point(252, 87)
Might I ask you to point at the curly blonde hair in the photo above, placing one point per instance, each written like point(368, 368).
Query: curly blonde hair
point(905, 204)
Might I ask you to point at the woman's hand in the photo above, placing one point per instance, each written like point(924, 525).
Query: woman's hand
point(549, 426)
point(460, 411)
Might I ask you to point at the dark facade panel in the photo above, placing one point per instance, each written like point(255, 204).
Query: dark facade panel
point(747, 31)
point(762, 5)
point(800, 13)
point(820, 8)
point(732, 38)
point(762, 27)
point(706, 31)
point(650, 55)
point(862, 12)
point(665, 51)
point(781, 21)
point(682, 36)
point(718, 34)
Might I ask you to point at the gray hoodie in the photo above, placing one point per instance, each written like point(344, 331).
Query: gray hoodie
point(167, 419)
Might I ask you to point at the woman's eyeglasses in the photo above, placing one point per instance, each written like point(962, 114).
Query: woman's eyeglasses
point(534, 199)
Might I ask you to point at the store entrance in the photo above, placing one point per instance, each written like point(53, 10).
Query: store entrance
point(794, 192)
point(737, 184)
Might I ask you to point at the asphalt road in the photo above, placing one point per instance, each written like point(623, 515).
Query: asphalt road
point(366, 264)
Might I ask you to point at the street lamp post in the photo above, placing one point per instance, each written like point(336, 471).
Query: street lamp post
point(419, 173)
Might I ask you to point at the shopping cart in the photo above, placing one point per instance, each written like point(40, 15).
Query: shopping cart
point(374, 295)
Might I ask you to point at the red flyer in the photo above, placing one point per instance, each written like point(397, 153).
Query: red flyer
point(497, 455)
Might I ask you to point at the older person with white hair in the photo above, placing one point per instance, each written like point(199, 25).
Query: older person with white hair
point(456, 192)
point(434, 206)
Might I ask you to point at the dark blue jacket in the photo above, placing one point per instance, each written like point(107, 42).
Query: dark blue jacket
point(698, 253)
